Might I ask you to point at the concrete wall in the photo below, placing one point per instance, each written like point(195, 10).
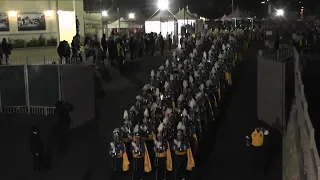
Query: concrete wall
point(39, 6)
point(270, 90)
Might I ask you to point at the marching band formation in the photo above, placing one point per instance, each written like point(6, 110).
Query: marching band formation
point(161, 130)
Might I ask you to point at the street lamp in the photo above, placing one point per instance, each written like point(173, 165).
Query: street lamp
point(263, 2)
point(163, 4)
point(279, 12)
point(131, 15)
point(104, 13)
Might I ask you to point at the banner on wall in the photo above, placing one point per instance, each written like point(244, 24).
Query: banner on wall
point(4, 22)
point(31, 22)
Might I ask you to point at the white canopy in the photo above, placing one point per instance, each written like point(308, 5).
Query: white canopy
point(124, 24)
point(185, 15)
point(162, 16)
point(238, 15)
point(223, 18)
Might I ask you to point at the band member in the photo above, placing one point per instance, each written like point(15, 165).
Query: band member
point(119, 155)
point(163, 160)
point(191, 133)
point(141, 159)
point(183, 154)
point(126, 129)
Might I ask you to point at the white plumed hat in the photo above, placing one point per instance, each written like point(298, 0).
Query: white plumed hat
point(125, 114)
point(146, 113)
point(181, 127)
point(192, 103)
point(160, 127)
point(184, 112)
point(185, 83)
point(165, 120)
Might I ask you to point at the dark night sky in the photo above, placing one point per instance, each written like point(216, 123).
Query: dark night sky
point(208, 8)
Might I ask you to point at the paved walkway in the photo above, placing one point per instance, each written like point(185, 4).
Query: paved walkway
point(228, 159)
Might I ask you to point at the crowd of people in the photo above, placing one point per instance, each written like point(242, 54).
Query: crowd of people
point(163, 129)
point(115, 48)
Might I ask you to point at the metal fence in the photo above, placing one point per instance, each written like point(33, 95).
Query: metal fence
point(17, 60)
point(35, 89)
point(300, 153)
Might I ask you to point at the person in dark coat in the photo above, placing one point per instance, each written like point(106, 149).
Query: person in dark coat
point(161, 44)
point(169, 42)
point(64, 51)
point(132, 47)
point(104, 45)
point(63, 110)
point(6, 50)
point(277, 41)
point(112, 49)
point(37, 149)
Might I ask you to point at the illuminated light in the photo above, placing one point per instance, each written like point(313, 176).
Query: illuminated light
point(67, 25)
point(302, 7)
point(279, 12)
point(12, 13)
point(48, 13)
point(131, 15)
point(263, 2)
point(163, 4)
point(104, 13)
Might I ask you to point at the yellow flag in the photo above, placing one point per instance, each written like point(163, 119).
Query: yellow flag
point(125, 162)
point(169, 159)
point(147, 162)
point(191, 164)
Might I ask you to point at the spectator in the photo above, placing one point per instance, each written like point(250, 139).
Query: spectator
point(6, 51)
point(37, 149)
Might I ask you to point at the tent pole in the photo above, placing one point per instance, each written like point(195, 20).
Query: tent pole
point(118, 10)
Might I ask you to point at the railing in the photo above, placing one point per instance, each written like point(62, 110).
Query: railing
point(39, 60)
point(36, 110)
point(300, 153)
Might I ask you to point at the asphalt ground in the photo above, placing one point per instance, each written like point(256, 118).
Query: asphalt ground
point(223, 157)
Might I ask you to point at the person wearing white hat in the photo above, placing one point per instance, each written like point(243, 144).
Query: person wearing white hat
point(118, 152)
point(147, 130)
point(141, 160)
point(183, 154)
point(126, 129)
point(163, 159)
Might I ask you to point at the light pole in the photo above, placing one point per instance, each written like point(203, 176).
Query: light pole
point(118, 11)
point(104, 14)
point(162, 5)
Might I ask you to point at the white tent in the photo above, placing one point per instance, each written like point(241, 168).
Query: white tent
point(162, 22)
point(238, 15)
point(185, 15)
point(223, 18)
point(124, 24)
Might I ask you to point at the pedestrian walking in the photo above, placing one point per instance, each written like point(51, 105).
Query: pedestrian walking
point(37, 149)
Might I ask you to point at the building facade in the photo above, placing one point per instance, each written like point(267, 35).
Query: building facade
point(34, 22)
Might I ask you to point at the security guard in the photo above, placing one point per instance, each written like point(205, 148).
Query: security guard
point(255, 141)
point(119, 154)
point(141, 159)
point(163, 159)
